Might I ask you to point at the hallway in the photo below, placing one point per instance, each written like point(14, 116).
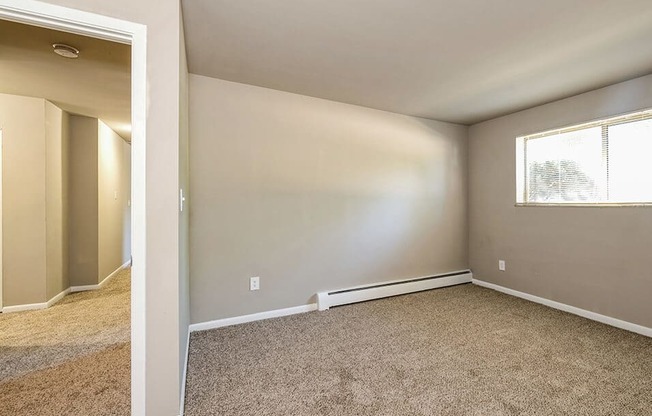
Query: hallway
point(70, 359)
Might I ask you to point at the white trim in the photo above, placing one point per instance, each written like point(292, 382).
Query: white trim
point(628, 326)
point(26, 307)
point(277, 313)
point(182, 401)
point(108, 28)
point(1, 247)
point(57, 298)
point(67, 20)
point(363, 293)
point(84, 288)
point(36, 306)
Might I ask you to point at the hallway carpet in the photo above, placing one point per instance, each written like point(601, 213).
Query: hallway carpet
point(70, 359)
point(463, 350)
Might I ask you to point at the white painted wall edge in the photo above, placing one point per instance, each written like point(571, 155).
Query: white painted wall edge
point(83, 288)
point(182, 399)
point(628, 326)
point(277, 313)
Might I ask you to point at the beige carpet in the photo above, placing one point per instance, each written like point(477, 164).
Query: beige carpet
point(463, 350)
point(70, 359)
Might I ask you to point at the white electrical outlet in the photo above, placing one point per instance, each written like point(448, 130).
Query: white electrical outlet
point(501, 265)
point(254, 283)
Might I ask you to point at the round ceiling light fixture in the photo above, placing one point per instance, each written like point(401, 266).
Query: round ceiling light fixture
point(66, 51)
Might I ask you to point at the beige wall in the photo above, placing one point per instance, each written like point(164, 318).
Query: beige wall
point(53, 171)
point(65, 195)
point(126, 201)
point(313, 195)
point(100, 190)
point(112, 201)
point(56, 280)
point(22, 120)
point(35, 240)
point(83, 220)
point(596, 259)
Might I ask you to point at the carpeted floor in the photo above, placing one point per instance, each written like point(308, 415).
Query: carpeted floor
point(70, 359)
point(463, 350)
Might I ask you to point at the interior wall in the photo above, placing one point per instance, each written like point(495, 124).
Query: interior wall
point(112, 198)
point(65, 195)
point(184, 217)
point(83, 260)
point(100, 193)
point(312, 195)
point(55, 279)
point(592, 258)
point(156, 386)
point(22, 120)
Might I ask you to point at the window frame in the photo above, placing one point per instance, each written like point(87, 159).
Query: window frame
point(604, 123)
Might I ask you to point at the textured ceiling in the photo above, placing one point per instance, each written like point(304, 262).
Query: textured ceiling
point(97, 84)
point(461, 61)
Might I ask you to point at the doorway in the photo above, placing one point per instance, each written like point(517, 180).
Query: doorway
point(92, 25)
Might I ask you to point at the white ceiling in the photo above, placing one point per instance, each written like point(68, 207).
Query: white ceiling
point(97, 84)
point(462, 61)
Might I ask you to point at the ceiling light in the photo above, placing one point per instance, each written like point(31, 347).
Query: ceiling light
point(66, 51)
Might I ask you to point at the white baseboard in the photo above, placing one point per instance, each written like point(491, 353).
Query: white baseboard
point(628, 326)
point(182, 404)
point(58, 297)
point(326, 300)
point(84, 288)
point(26, 307)
point(36, 306)
point(277, 313)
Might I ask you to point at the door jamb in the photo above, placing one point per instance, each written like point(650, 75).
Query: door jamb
point(66, 19)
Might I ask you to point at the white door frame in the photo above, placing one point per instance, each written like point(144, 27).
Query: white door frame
point(93, 25)
point(1, 264)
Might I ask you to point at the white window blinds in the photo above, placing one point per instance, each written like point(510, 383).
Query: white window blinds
point(607, 161)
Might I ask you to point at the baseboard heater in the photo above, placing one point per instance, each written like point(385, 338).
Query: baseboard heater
point(326, 300)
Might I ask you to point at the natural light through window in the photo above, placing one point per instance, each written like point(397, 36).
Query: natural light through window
point(603, 162)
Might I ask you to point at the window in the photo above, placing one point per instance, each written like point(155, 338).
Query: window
point(603, 162)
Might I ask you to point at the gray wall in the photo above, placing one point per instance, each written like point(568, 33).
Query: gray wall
point(83, 261)
point(312, 195)
point(596, 259)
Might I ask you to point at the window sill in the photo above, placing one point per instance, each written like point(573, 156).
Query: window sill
point(588, 205)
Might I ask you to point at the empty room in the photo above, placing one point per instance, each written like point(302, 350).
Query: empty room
point(382, 207)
